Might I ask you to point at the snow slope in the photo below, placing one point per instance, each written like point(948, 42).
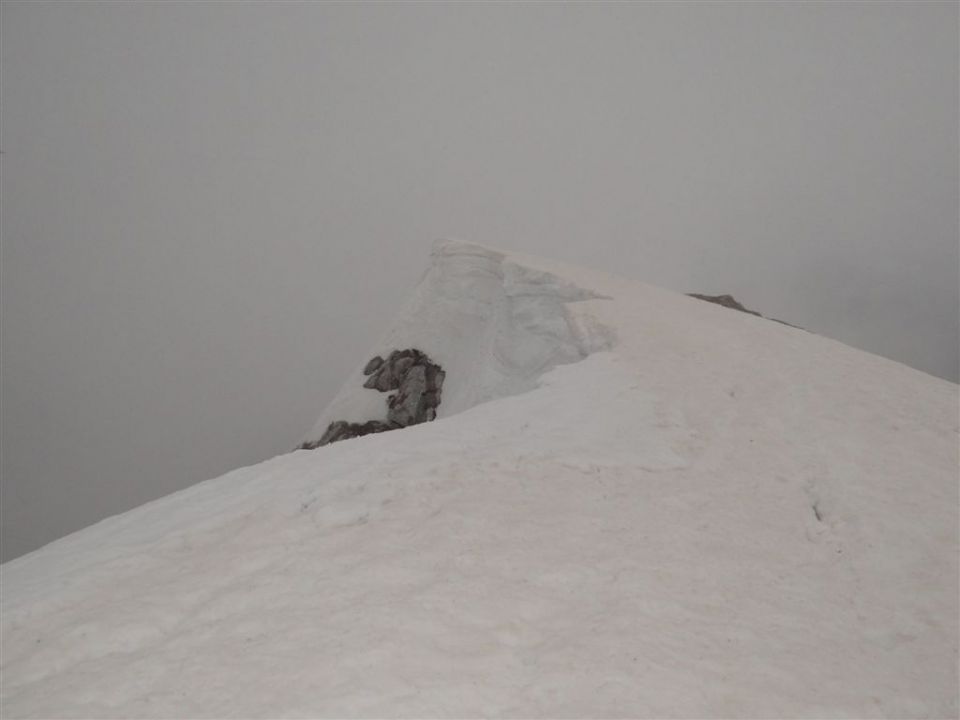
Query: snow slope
point(634, 504)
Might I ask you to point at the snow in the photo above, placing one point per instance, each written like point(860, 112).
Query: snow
point(499, 324)
point(634, 504)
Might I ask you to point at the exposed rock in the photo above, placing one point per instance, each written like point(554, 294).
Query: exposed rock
point(410, 402)
point(729, 301)
point(726, 300)
point(370, 367)
point(383, 381)
point(418, 382)
point(337, 431)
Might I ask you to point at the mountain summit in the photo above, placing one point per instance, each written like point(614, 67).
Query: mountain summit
point(631, 503)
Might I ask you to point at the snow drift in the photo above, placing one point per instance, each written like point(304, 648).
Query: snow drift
point(632, 504)
point(497, 324)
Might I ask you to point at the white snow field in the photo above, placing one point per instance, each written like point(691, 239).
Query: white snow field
point(632, 504)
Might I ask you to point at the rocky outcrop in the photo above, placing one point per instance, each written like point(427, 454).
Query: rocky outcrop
point(418, 382)
point(728, 301)
point(501, 325)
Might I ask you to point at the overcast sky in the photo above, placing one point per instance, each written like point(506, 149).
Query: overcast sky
point(210, 210)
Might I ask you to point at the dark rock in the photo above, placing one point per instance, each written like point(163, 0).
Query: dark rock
point(407, 406)
point(382, 380)
point(401, 365)
point(335, 431)
point(342, 430)
point(729, 301)
point(418, 382)
point(372, 426)
point(434, 377)
point(370, 367)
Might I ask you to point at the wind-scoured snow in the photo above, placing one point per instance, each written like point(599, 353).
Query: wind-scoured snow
point(634, 504)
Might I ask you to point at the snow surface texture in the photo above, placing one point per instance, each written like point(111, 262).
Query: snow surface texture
point(718, 516)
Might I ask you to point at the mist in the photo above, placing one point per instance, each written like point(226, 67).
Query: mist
point(211, 210)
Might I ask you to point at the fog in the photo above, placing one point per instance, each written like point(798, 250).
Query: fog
point(210, 210)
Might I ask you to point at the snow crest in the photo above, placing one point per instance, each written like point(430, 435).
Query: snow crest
point(495, 327)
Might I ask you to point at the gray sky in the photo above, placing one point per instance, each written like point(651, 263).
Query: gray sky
point(210, 210)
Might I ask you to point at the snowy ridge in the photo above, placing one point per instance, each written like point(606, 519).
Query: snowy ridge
point(713, 516)
point(493, 325)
